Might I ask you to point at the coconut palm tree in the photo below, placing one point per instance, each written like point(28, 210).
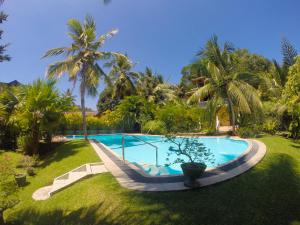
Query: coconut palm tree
point(121, 77)
point(81, 59)
point(147, 82)
point(226, 85)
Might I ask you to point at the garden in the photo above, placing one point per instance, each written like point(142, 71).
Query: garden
point(254, 96)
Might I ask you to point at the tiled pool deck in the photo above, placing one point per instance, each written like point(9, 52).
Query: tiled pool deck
point(130, 178)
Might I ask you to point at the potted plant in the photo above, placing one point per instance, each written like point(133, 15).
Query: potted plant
point(28, 163)
point(20, 179)
point(192, 155)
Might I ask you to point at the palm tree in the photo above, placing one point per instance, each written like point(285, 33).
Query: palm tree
point(147, 82)
point(121, 77)
point(225, 85)
point(81, 62)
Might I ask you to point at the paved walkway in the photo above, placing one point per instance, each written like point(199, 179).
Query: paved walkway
point(68, 179)
point(133, 178)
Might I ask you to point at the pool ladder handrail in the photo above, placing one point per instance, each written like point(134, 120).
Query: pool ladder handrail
point(134, 136)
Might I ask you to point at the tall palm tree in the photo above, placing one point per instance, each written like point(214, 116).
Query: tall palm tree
point(147, 82)
point(225, 85)
point(81, 59)
point(121, 77)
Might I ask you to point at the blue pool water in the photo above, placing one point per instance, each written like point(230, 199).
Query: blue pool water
point(143, 155)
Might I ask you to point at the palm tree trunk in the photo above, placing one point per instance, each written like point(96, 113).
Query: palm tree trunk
point(82, 95)
point(232, 114)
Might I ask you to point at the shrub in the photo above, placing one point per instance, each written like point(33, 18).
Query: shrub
point(27, 162)
point(8, 187)
point(247, 132)
point(270, 126)
point(179, 118)
point(154, 127)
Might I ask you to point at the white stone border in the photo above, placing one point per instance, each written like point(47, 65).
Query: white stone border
point(125, 181)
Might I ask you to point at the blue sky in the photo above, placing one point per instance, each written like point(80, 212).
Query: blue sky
point(162, 34)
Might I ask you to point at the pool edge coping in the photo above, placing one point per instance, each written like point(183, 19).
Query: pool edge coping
point(119, 171)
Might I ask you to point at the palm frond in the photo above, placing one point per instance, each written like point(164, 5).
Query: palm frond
point(249, 78)
point(75, 28)
point(201, 93)
point(58, 51)
point(106, 36)
point(237, 95)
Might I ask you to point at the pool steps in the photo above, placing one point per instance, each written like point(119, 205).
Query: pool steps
point(68, 179)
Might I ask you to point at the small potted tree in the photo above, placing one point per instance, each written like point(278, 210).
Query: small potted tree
point(192, 155)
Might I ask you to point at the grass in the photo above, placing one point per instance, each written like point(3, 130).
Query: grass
point(268, 194)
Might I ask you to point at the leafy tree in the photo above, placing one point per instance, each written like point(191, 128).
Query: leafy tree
point(134, 110)
point(38, 112)
point(121, 77)
point(81, 62)
point(152, 87)
point(224, 84)
point(291, 97)
point(147, 82)
point(279, 73)
point(192, 149)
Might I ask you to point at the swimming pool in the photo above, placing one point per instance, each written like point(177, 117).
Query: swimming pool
point(143, 155)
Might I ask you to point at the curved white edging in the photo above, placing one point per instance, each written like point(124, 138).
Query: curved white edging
point(127, 182)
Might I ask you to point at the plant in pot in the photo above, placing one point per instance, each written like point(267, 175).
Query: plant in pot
point(28, 163)
point(192, 155)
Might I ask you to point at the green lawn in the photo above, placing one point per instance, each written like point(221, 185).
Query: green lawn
point(267, 194)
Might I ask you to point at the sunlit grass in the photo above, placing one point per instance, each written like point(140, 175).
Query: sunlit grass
point(267, 194)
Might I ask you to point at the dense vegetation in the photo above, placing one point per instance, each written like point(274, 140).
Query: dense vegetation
point(242, 89)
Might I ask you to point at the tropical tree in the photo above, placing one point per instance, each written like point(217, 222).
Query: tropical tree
point(279, 73)
point(290, 101)
point(121, 77)
point(224, 84)
point(152, 87)
point(81, 59)
point(37, 112)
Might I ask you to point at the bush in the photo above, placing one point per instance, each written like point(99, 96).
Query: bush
point(270, 126)
point(27, 162)
point(154, 127)
point(248, 132)
point(180, 118)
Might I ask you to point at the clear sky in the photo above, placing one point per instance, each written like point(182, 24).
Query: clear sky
point(162, 34)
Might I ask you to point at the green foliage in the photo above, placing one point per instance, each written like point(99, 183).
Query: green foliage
point(179, 118)
point(270, 126)
point(133, 111)
point(248, 132)
point(291, 98)
point(8, 187)
point(192, 149)
point(154, 127)
point(38, 112)
point(225, 84)
point(82, 57)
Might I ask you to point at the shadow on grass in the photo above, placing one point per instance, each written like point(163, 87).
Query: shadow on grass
point(267, 195)
point(62, 151)
point(84, 216)
point(261, 196)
